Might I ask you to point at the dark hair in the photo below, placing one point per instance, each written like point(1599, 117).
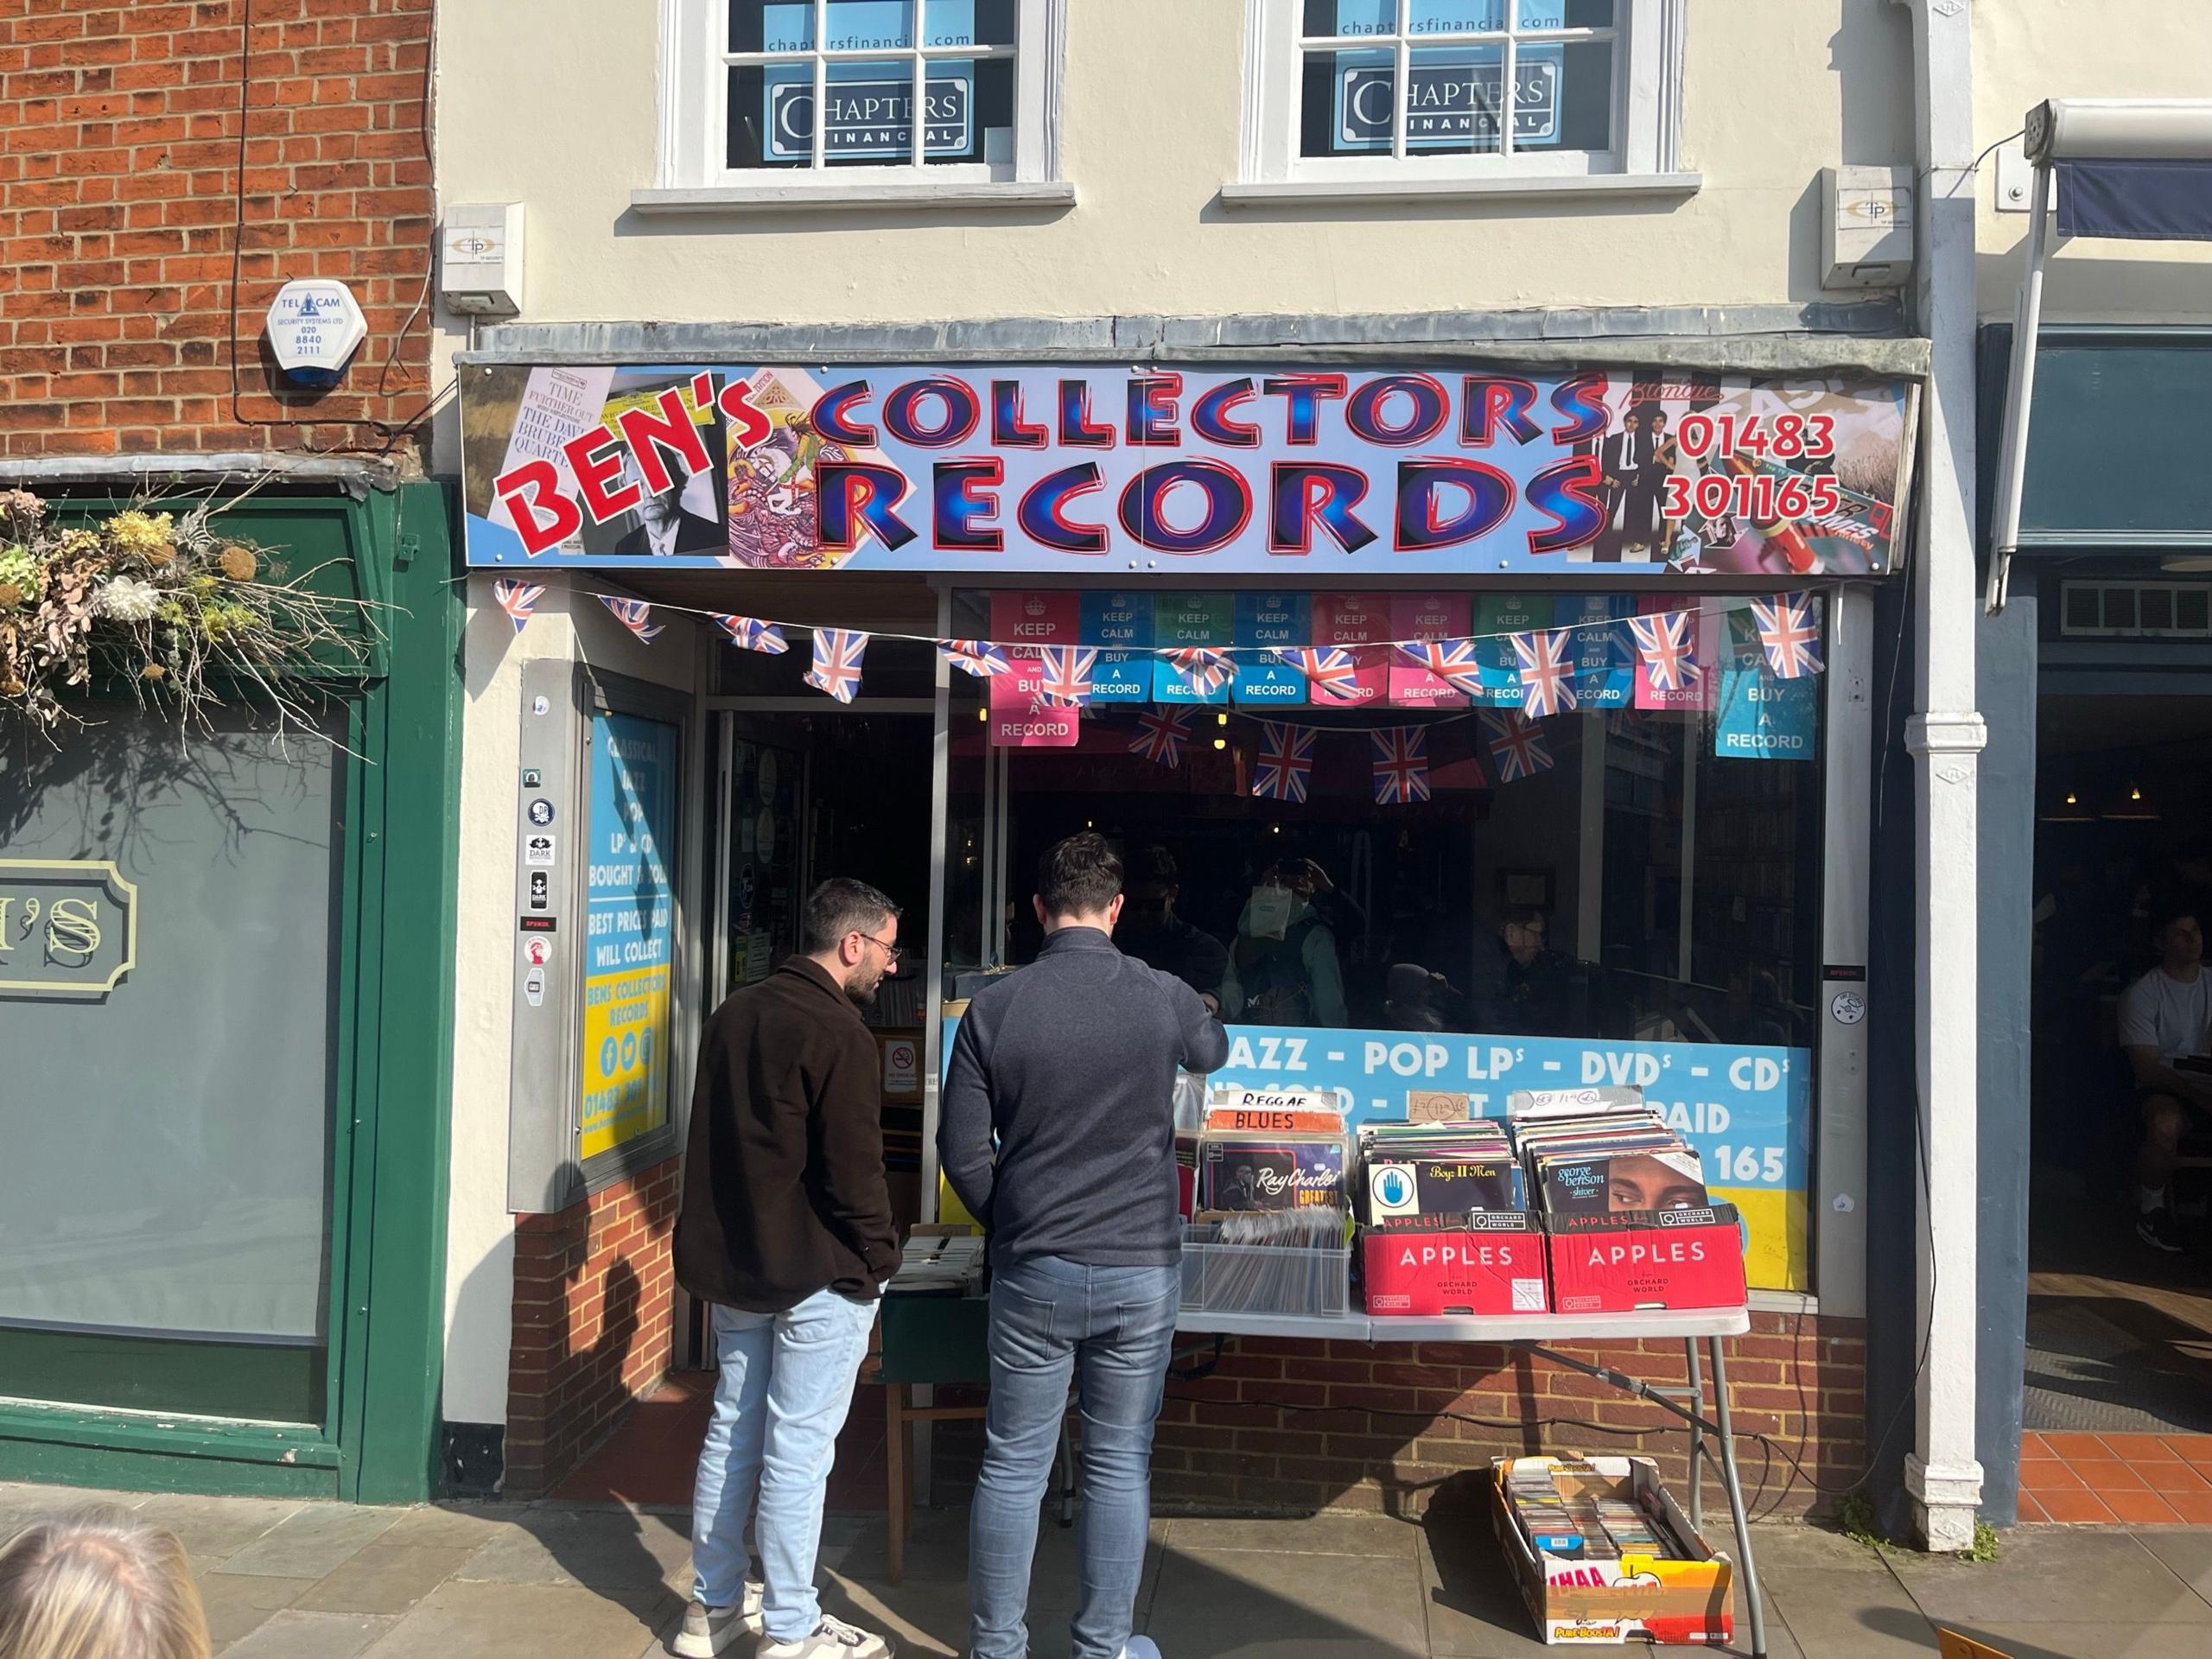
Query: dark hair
point(841, 905)
point(1155, 866)
point(1523, 916)
point(2170, 912)
point(1078, 876)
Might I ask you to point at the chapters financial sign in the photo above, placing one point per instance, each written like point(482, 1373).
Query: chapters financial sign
point(997, 470)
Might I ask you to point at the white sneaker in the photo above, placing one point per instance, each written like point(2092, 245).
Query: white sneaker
point(707, 1631)
point(832, 1639)
point(1140, 1647)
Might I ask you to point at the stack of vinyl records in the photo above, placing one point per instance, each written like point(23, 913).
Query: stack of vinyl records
point(1428, 1176)
point(1590, 1171)
point(1273, 1217)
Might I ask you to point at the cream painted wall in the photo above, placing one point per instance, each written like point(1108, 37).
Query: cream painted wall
point(2028, 50)
point(560, 115)
point(479, 1233)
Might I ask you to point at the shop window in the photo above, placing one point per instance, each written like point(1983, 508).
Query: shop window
point(779, 91)
point(1615, 894)
point(170, 951)
point(1386, 90)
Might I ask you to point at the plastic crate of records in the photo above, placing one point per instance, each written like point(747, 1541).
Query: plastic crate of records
point(1272, 1234)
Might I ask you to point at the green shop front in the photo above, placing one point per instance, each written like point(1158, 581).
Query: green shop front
point(1570, 663)
point(225, 1008)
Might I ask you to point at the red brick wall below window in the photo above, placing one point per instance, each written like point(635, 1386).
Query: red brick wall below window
point(1296, 1427)
point(123, 201)
point(593, 1293)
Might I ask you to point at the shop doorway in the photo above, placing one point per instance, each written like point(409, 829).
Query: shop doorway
point(2120, 1332)
point(798, 798)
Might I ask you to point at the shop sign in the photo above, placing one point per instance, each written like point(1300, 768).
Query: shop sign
point(1188, 474)
point(1746, 1108)
point(68, 928)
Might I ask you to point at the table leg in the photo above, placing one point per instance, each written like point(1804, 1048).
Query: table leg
point(896, 1500)
point(1733, 1485)
point(1697, 1441)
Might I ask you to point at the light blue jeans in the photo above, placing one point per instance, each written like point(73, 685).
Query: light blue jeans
point(785, 1384)
point(1112, 1329)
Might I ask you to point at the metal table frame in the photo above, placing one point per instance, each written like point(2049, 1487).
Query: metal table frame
point(1535, 1332)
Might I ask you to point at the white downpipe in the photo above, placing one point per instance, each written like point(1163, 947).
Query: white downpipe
point(1946, 735)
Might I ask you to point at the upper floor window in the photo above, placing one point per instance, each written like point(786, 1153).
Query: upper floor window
point(1394, 91)
point(855, 91)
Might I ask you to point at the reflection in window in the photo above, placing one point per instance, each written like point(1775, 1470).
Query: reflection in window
point(1614, 873)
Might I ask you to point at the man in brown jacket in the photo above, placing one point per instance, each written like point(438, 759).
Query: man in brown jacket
point(786, 1230)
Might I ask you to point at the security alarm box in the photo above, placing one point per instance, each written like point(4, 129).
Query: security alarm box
point(1867, 227)
point(480, 258)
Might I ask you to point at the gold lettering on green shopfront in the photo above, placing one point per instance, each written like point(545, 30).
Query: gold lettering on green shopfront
point(68, 927)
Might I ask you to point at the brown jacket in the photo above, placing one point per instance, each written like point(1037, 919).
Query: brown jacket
point(784, 1193)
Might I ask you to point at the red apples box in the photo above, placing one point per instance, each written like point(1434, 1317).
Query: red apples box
point(1494, 1265)
point(1650, 1259)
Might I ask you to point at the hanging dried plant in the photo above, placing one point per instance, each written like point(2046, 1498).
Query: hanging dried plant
point(192, 618)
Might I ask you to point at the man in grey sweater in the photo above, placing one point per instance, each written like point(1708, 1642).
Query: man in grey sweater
point(1058, 1134)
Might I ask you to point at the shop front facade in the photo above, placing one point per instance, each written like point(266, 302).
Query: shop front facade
point(1083, 391)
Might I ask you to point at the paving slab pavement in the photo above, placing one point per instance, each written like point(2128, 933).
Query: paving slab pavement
point(293, 1580)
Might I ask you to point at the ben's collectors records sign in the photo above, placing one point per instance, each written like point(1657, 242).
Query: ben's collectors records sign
point(1272, 469)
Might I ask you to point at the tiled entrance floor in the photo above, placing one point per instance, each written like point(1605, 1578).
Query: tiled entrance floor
point(2135, 1480)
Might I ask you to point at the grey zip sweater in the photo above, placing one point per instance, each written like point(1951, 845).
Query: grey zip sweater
point(1070, 1063)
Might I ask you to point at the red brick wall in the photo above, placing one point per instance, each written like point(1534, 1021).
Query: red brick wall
point(1370, 1435)
point(1296, 1427)
point(121, 197)
point(594, 1291)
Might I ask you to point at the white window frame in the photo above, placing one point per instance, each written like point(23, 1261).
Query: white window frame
point(1647, 109)
point(691, 170)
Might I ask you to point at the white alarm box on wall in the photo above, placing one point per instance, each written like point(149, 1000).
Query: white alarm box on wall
point(1867, 227)
point(480, 258)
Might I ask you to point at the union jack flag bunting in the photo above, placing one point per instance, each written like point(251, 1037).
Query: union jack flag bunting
point(1286, 767)
point(1400, 765)
point(1329, 670)
point(1547, 661)
point(1066, 683)
point(1669, 654)
point(1516, 744)
point(632, 613)
point(1161, 733)
point(751, 633)
point(1204, 671)
point(518, 599)
point(1789, 633)
point(977, 656)
point(837, 662)
point(1450, 660)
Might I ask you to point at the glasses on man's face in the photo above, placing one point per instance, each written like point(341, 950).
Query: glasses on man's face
point(891, 952)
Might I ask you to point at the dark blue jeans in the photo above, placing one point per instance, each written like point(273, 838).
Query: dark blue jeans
point(1111, 1330)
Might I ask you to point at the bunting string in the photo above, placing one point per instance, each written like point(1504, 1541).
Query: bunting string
point(1539, 667)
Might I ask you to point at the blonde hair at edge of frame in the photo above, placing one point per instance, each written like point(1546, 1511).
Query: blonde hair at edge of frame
point(99, 1585)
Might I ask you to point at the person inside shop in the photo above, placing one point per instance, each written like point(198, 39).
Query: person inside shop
point(786, 1232)
point(1416, 998)
point(1058, 1133)
point(1151, 932)
point(1519, 986)
point(1285, 969)
point(2166, 1028)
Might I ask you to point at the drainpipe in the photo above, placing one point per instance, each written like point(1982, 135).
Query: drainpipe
point(1945, 736)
